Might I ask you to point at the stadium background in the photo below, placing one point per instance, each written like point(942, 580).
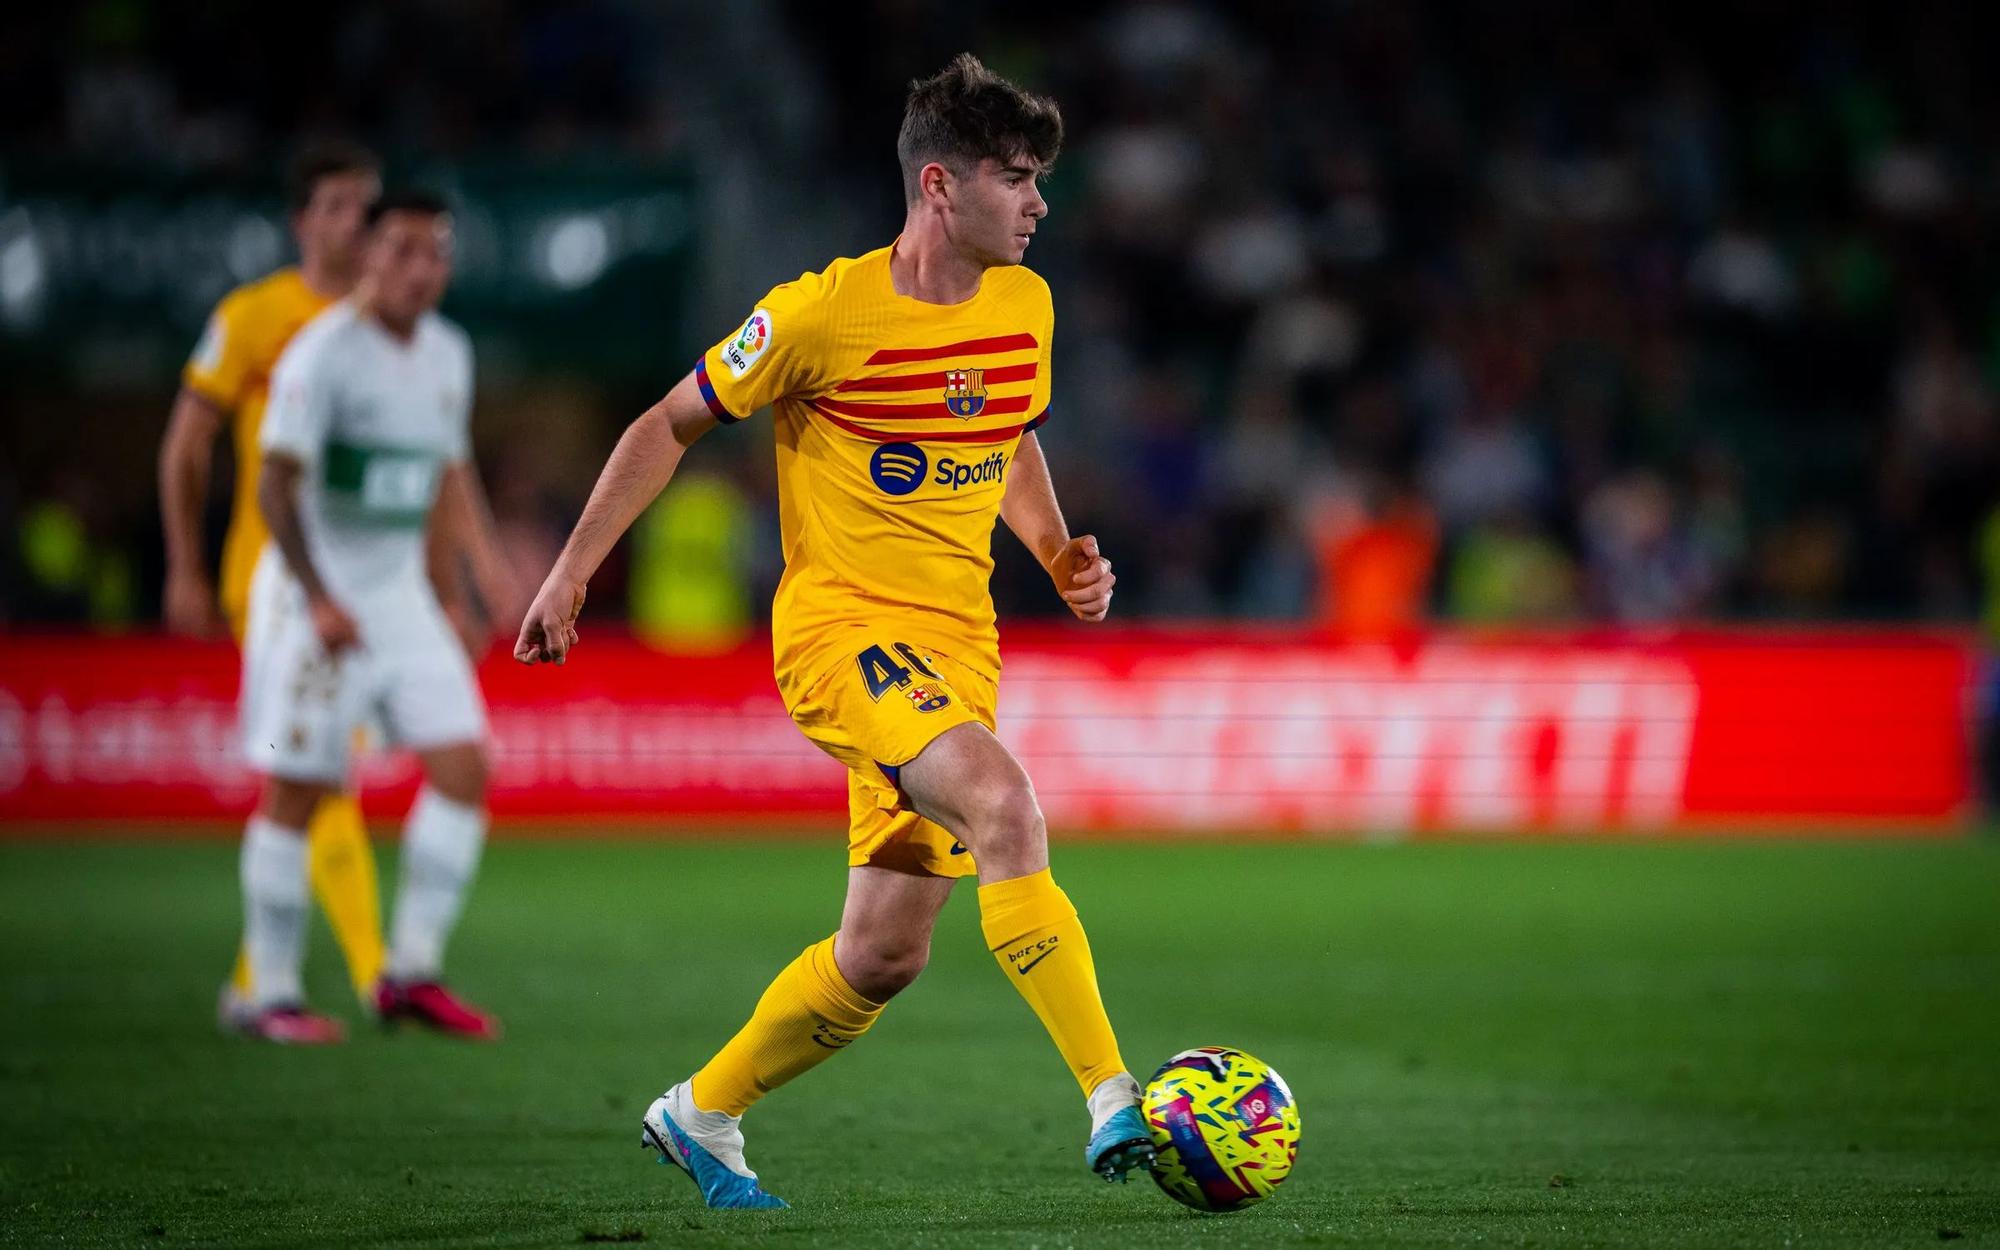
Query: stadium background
point(1375, 317)
point(1505, 417)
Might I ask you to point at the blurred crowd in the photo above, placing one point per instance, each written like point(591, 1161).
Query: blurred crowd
point(1367, 313)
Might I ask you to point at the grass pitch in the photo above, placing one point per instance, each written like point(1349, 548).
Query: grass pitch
point(1666, 1045)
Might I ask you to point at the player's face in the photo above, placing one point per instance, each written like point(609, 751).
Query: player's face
point(329, 227)
point(409, 262)
point(997, 209)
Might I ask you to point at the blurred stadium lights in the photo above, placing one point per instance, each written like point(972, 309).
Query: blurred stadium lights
point(555, 260)
point(573, 251)
point(24, 274)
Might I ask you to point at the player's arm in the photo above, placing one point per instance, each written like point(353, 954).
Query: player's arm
point(445, 564)
point(293, 436)
point(185, 456)
point(1083, 577)
point(464, 538)
point(445, 568)
point(278, 498)
point(639, 469)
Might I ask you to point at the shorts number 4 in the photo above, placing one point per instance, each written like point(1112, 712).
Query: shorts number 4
point(880, 673)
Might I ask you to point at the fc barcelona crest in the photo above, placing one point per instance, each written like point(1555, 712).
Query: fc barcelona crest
point(965, 391)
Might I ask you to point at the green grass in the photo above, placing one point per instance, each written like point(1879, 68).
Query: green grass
point(1544, 1045)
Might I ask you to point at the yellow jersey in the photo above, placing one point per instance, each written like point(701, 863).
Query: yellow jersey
point(896, 421)
point(231, 368)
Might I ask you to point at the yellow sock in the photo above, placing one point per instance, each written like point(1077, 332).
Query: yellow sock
point(343, 878)
point(809, 1014)
point(1032, 929)
point(239, 976)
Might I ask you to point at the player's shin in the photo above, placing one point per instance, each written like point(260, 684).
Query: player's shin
point(273, 872)
point(807, 1015)
point(441, 844)
point(1032, 929)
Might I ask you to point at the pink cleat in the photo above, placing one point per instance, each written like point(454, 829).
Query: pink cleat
point(293, 1026)
point(432, 1005)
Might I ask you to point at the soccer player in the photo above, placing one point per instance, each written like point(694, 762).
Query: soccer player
point(228, 379)
point(907, 385)
point(364, 440)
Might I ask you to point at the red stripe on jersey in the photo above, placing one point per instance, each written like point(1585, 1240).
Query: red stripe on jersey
point(1000, 435)
point(928, 381)
point(1002, 343)
point(913, 412)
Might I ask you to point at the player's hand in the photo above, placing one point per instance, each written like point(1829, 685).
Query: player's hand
point(190, 604)
point(550, 628)
point(336, 629)
point(1083, 578)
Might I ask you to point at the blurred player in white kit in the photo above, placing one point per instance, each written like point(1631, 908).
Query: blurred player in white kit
point(366, 434)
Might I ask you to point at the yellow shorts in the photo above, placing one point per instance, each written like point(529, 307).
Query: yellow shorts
point(874, 712)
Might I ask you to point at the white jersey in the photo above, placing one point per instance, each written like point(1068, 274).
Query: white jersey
point(375, 421)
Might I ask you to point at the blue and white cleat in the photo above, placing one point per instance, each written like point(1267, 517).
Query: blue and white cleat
point(1121, 1145)
point(708, 1146)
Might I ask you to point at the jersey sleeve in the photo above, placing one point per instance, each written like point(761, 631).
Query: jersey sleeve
point(223, 362)
point(780, 350)
point(300, 411)
point(459, 448)
point(1044, 378)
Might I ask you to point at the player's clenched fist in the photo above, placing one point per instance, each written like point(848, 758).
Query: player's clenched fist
point(1083, 578)
point(550, 628)
point(336, 629)
point(189, 600)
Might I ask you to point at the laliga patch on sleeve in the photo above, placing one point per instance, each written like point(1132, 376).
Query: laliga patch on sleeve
point(749, 343)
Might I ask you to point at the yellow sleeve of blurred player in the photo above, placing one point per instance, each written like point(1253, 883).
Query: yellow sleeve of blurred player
point(225, 362)
point(781, 349)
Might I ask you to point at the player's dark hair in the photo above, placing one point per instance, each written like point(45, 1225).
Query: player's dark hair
point(965, 113)
point(324, 159)
point(406, 200)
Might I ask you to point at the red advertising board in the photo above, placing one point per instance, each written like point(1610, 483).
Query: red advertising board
point(1123, 730)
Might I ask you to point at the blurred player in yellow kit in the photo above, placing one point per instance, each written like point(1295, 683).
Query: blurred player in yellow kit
point(906, 387)
point(227, 380)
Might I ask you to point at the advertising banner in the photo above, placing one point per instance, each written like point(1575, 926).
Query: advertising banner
point(1130, 731)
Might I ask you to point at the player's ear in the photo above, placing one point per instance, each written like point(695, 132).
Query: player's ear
point(934, 181)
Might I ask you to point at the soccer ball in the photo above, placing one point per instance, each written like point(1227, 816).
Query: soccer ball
point(1225, 1125)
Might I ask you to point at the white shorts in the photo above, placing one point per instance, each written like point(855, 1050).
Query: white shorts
point(301, 709)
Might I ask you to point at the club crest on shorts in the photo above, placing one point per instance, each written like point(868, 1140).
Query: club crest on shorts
point(965, 392)
point(928, 697)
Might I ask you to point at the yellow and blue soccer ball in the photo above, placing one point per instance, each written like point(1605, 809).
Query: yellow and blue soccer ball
point(1226, 1127)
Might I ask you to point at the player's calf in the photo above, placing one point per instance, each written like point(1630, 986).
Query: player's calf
point(878, 970)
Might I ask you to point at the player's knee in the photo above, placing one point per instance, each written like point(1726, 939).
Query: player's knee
point(1007, 821)
point(880, 969)
point(459, 773)
point(289, 803)
point(478, 773)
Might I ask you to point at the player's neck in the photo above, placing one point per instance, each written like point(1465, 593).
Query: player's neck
point(403, 331)
point(325, 280)
point(924, 265)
